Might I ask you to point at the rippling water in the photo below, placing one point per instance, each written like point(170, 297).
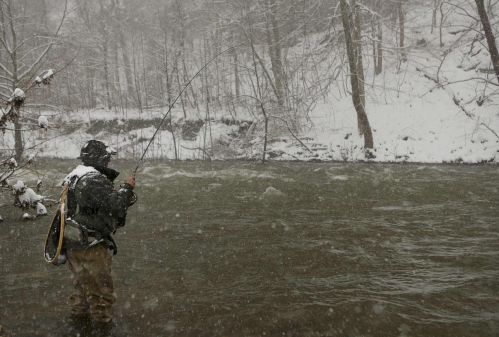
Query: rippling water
point(288, 249)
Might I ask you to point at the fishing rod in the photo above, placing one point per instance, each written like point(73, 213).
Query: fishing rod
point(175, 101)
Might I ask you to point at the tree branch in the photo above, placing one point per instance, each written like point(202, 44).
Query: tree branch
point(32, 51)
point(4, 68)
point(490, 129)
point(8, 79)
point(5, 86)
point(6, 45)
point(40, 58)
point(261, 62)
point(462, 9)
point(292, 133)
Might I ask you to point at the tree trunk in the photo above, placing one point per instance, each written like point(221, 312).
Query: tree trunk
point(207, 123)
point(357, 45)
point(167, 73)
point(117, 82)
point(177, 73)
point(363, 122)
point(126, 64)
point(258, 89)
point(18, 138)
point(379, 63)
point(237, 81)
point(373, 42)
point(442, 18)
point(377, 35)
point(489, 35)
point(217, 44)
point(144, 75)
point(169, 92)
point(138, 90)
point(120, 31)
point(401, 15)
point(105, 43)
point(434, 16)
point(273, 38)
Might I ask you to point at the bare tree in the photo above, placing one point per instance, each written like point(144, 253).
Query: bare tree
point(120, 31)
point(104, 32)
point(26, 51)
point(10, 168)
point(355, 79)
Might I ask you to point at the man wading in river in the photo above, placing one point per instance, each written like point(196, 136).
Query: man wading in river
point(95, 211)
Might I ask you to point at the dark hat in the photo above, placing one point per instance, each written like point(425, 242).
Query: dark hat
point(95, 152)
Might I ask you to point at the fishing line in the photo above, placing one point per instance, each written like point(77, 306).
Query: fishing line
point(175, 101)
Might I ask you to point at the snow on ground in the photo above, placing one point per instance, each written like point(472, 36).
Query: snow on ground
point(413, 119)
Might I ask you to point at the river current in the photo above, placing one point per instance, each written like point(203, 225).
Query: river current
point(284, 249)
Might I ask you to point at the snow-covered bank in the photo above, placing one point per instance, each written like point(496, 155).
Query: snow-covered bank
point(429, 130)
point(412, 121)
point(441, 105)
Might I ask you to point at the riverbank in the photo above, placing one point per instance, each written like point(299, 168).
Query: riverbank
point(406, 136)
point(438, 106)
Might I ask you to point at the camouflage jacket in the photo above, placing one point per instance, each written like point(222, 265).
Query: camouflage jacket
point(95, 206)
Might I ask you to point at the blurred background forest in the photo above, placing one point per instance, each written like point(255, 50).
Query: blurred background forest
point(271, 62)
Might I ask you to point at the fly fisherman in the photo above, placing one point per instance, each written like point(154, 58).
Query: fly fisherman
point(95, 211)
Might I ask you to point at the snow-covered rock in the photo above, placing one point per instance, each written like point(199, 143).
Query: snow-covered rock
point(272, 192)
point(29, 197)
point(19, 186)
point(1, 218)
point(40, 209)
point(12, 163)
point(31, 158)
point(27, 216)
point(17, 98)
point(18, 94)
point(26, 197)
point(45, 77)
point(43, 122)
point(47, 74)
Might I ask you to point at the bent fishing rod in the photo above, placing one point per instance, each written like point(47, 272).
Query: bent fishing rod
point(140, 161)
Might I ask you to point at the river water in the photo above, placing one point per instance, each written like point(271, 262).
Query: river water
point(285, 249)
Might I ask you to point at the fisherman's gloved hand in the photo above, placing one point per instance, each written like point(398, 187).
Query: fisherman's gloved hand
point(130, 182)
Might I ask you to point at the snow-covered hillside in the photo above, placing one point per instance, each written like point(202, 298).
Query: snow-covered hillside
point(439, 106)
